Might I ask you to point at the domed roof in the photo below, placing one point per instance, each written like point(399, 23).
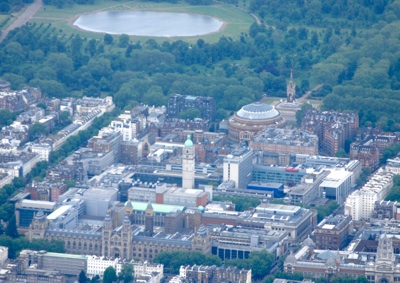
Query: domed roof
point(201, 208)
point(188, 142)
point(40, 216)
point(291, 259)
point(309, 242)
point(257, 111)
point(331, 262)
point(202, 231)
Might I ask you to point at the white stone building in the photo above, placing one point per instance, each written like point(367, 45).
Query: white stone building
point(360, 203)
point(336, 185)
point(97, 265)
point(43, 150)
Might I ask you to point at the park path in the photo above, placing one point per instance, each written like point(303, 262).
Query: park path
point(305, 96)
point(23, 18)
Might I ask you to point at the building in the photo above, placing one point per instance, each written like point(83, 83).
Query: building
point(297, 222)
point(360, 204)
point(385, 210)
point(128, 125)
point(367, 153)
point(25, 210)
point(337, 185)
point(332, 128)
point(238, 167)
point(252, 119)
point(237, 242)
point(97, 265)
point(213, 274)
point(69, 265)
point(188, 164)
point(43, 150)
point(284, 142)
point(23, 272)
point(332, 232)
point(45, 190)
point(178, 103)
point(380, 266)
point(131, 152)
point(393, 165)
point(181, 196)
point(308, 190)
point(287, 175)
point(3, 255)
point(107, 142)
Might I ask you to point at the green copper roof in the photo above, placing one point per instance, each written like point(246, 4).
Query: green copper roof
point(188, 142)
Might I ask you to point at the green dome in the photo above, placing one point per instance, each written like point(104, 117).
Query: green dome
point(188, 142)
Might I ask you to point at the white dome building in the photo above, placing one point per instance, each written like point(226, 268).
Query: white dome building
point(253, 118)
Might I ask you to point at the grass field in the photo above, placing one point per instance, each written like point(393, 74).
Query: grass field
point(236, 21)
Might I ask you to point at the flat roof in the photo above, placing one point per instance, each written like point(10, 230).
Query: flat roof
point(328, 226)
point(38, 204)
point(83, 257)
point(58, 212)
point(160, 208)
point(335, 178)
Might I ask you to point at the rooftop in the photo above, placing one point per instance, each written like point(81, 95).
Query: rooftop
point(158, 208)
point(257, 111)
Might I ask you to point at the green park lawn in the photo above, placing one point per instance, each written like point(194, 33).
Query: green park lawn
point(236, 21)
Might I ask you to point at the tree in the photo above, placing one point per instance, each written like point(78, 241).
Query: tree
point(6, 117)
point(300, 114)
point(110, 275)
point(190, 114)
point(126, 273)
point(341, 153)
point(221, 114)
point(108, 39)
point(323, 210)
point(173, 260)
point(123, 41)
point(365, 172)
point(11, 229)
point(37, 130)
point(241, 203)
point(41, 105)
point(259, 262)
point(65, 118)
point(82, 277)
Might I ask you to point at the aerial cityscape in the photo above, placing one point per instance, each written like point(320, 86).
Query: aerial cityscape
point(199, 141)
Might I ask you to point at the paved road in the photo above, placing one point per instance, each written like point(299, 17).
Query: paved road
point(23, 18)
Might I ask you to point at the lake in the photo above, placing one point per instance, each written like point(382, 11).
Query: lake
point(146, 23)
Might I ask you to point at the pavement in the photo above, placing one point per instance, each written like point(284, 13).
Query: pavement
point(23, 18)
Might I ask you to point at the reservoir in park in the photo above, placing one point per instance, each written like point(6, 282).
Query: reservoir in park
point(148, 23)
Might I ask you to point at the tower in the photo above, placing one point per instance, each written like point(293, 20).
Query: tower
point(129, 208)
point(202, 241)
point(126, 238)
point(149, 221)
point(188, 163)
point(384, 254)
point(38, 227)
point(106, 235)
point(385, 260)
point(291, 89)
